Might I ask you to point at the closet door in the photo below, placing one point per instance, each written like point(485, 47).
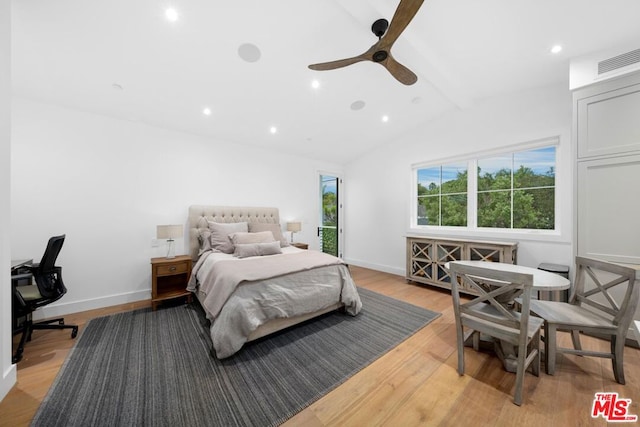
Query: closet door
point(608, 207)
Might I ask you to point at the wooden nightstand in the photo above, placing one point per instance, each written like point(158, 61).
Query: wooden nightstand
point(169, 278)
point(300, 245)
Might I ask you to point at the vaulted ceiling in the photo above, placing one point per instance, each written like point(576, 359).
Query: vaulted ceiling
point(125, 59)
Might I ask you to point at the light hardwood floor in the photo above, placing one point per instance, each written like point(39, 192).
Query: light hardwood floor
point(414, 384)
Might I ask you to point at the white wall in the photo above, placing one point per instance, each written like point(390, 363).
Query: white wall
point(107, 183)
point(7, 369)
point(378, 185)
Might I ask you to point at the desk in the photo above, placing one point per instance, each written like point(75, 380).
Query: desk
point(17, 263)
point(542, 281)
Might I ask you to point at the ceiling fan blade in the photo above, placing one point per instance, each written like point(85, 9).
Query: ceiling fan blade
point(399, 71)
point(405, 12)
point(323, 66)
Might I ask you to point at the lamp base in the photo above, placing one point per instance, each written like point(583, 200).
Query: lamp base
point(170, 251)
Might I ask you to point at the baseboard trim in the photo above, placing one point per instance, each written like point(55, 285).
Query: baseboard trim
point(9, 378)
point(378, 267)
point(62, 308)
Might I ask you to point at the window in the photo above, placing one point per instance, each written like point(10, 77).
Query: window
point(511, 190)
point(517, 190)
point(442, 195)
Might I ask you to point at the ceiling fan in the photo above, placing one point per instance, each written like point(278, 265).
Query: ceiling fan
point(380, 52)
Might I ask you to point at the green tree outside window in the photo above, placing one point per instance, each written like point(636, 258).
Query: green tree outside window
point(514, 191)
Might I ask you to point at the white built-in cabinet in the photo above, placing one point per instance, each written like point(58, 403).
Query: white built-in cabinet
point(606, 129)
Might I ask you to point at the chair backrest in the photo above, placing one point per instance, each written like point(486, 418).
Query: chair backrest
point(51, 253)
point(47, 276)
point(490, 311)
point(614, 293)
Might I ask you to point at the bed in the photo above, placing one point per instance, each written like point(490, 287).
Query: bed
point(253, 283)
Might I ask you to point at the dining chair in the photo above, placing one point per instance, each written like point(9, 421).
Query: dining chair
point(493, 313)
point(592, 309)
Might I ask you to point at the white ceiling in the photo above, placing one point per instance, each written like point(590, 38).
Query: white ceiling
point(72, 52)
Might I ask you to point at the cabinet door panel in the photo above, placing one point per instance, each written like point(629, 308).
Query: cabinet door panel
point(608, 123)
point(608, 205)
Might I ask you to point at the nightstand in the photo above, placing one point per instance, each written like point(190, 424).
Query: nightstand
point(169, 278)
point(300, 245)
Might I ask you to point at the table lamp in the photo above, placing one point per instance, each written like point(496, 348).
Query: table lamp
point(294, 227)
point(169, 232)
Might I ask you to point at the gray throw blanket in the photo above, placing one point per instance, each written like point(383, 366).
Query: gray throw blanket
point(225, 275)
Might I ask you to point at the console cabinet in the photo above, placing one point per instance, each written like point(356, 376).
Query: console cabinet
point(426, 257)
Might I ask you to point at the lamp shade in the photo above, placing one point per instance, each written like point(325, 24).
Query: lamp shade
point(294, 226)
point(169, 231)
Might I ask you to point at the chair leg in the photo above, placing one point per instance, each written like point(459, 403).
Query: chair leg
point(475, 339)
point(26, 333)
point(55, 324)
point(550, 348)
point(460, 342)
point(535, 363)
point(520, 371)
point(617, 349)
point(575, 338)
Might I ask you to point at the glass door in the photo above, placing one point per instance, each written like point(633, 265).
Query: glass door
point(330, 231)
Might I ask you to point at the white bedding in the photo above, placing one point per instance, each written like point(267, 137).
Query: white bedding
point(240, 311)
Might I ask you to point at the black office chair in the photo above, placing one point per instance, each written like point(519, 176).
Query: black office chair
point(48, 288)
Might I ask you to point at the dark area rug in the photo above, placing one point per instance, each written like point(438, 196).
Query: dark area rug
point(154, 367)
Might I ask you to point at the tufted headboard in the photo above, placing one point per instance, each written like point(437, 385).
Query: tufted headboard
point(200, 214)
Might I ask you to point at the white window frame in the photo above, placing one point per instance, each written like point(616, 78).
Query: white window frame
point(472, 192)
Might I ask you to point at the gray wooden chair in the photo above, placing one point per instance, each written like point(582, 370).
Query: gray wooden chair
point(491, 313)
point(595, 310)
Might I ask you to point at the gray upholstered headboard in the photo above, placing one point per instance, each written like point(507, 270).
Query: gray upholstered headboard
point(200, 214)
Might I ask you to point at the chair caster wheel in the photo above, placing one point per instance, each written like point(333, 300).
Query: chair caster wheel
point(74, 332)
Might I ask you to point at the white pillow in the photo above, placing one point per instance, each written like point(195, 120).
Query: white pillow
point(204, 239)
point(255, 227)
point(244, 250)
point(245, 238)
point(220, 232)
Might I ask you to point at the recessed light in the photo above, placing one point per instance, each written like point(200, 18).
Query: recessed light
point(171, 14)
point(206, 111)
point(315, 84)
point(385, 119)
point(556, 49)
point(273, 129)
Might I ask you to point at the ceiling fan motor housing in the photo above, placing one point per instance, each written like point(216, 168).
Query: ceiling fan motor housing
point(380, 27)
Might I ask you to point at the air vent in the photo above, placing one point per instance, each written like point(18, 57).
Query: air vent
point(619, 61)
